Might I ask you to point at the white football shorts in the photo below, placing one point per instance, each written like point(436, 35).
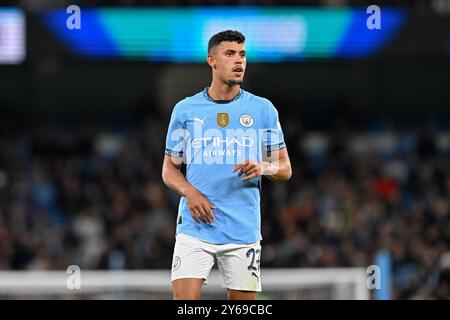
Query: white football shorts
point(238, 263)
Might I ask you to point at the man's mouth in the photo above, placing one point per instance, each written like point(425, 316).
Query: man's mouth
point(238, 69)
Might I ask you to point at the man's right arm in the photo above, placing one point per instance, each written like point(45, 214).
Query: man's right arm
point(200, 207)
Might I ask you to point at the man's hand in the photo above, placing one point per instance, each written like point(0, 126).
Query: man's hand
point(252, 169)
point(199, 206)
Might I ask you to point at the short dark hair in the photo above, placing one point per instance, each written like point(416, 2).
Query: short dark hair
point(228, 35)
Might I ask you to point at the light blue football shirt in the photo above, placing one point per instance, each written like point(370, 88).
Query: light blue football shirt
point(212, 136)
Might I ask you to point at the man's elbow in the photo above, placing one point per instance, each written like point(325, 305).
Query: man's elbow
point(289, 174)
point(286, 175)
point(169, 168)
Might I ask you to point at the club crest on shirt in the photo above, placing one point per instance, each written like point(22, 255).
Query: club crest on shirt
point(223, 119)
point(246, 120)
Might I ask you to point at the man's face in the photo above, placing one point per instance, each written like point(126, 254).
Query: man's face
point(228, 61)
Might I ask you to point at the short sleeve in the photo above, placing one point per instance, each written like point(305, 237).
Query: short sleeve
point(273, 138)
point(175, 139)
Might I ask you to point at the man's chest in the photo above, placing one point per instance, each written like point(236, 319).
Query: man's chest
point(221, 133)
point(223, 120)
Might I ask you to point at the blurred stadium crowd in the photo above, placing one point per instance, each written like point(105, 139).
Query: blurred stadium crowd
point(90, 194)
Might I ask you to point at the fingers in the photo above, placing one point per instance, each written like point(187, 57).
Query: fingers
point(200, 208)
point(240, 165)
point(203, 213)
point(206, 209)
point(209, 214)
point(198, 216)
point(252, 171)
point(210, 205)
point(250, 168)
point(253, 175)
point(209, 208)
point(237, 166)
point(250, 176)
point(195, 216)
point(246, 168)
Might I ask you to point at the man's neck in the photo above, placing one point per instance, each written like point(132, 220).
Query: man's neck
point(223, 91)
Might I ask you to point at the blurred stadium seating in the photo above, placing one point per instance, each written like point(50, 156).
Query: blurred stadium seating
point(92, 196)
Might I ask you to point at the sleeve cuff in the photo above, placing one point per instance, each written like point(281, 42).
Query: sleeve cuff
point(172, 153)
point(276, 147)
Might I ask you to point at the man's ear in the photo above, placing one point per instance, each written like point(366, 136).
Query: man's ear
point(211, 61)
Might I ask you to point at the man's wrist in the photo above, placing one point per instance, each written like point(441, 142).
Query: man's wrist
point(187, 190)
point(268, 168)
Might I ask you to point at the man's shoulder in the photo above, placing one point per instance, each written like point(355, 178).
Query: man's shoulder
point(258, 100)
point(189, 101)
